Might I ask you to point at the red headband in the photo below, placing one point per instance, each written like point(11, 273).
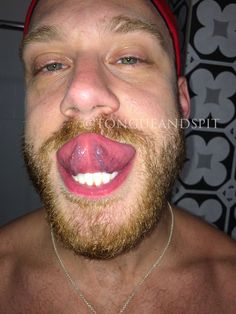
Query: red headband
point(162, 8)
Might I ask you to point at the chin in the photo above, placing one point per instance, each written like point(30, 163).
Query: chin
point(106, 227)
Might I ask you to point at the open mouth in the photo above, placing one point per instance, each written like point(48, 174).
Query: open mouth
point(94, 166)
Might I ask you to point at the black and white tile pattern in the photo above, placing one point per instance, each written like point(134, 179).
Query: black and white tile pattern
point(207, 184)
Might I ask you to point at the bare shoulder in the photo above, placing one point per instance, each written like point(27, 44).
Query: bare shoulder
point(18, 233)
point(212, 252)
point(18, 244)
point(198, 228)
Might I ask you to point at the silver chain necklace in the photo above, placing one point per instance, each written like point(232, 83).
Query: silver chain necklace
point(137, 286)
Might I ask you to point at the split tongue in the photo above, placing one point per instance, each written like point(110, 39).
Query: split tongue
point(90, 152)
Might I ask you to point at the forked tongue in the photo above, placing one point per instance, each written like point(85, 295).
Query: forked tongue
point(90, 152)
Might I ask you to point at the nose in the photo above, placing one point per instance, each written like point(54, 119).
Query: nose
point(88, 94)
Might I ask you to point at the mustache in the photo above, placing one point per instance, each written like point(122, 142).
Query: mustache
point(112, 128)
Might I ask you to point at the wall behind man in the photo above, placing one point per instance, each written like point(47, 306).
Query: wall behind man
point(16, 194)
point(207, 185)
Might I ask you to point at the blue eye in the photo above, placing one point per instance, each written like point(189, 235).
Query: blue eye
point(53, 67)
point(128, 60)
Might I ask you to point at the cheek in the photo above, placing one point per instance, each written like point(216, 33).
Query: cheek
point(43, 94)
point(146, 108)
point(43, 116)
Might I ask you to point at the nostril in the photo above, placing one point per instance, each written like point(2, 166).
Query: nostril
point(74, 108)
point(71, 110)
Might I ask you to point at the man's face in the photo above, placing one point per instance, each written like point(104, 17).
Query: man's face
point(100, 92)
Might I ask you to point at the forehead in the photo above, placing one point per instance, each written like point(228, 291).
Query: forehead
point(81, 12)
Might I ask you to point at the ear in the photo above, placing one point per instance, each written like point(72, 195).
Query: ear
point(184, 98)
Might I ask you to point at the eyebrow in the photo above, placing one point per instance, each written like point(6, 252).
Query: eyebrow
point(41, 34)
point(124, 24)
point(119, 24)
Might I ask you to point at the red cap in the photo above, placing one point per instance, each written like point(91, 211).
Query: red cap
point(28, 15)
point(164, 11)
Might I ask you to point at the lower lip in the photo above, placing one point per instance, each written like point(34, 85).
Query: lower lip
point(94, 191)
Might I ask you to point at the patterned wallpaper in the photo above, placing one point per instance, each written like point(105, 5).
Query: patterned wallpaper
point(207, 184)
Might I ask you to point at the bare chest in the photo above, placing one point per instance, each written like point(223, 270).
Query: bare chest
point(48, 292)
point(54, 297)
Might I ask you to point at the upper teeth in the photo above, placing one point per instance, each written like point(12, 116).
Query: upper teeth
point(96, 178)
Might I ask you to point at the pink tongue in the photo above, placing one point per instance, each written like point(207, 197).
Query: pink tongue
point(90, 152)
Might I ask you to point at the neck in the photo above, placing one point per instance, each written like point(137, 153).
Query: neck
point(124, 270)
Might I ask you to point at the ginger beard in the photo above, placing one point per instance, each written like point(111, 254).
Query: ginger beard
point(107, 227)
